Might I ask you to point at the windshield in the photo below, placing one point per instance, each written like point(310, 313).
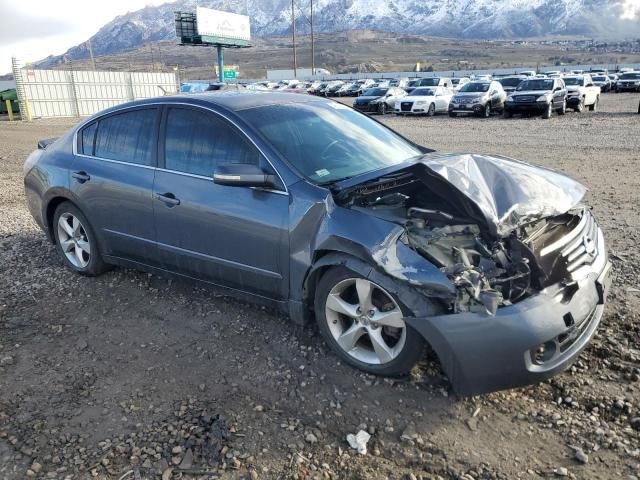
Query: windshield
point(630, 76)
point(327, 141)
point(455, 81)
point(573, 81)
point(510, 82)
point(376, 92)
point(414, 83)
point(535, 85)
point(423, 92)
point(600, 79)
point(429, 82)
point(475, 87)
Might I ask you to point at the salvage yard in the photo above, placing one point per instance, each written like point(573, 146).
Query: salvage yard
point(131, 372)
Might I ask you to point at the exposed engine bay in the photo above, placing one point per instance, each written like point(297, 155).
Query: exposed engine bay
point(447, 229)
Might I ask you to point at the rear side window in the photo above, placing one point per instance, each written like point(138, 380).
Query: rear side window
point(127, 137)
point(88, 138)
point(195, 141)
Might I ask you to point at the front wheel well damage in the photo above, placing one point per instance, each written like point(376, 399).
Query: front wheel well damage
point(416, 301)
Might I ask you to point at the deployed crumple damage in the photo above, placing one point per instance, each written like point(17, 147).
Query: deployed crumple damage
point(482, 221)
point(509, 193)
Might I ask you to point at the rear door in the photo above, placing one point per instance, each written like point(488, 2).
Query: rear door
point(112, 180)
point(229, 235)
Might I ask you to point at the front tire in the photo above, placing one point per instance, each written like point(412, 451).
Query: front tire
point(507, 114)
point(580, 107)
point(76, 242)
point(594, 107)
point(363, 324)
point(432, 110)
point(487, 111)
point(548, 112)
point(562, 110)
point(382, 108)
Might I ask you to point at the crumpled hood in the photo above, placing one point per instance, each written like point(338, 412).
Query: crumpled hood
point(509, 193)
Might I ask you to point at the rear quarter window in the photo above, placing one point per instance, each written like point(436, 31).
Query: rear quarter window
point(87, 138)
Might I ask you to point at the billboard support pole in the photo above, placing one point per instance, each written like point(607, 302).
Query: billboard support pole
point(220, 64)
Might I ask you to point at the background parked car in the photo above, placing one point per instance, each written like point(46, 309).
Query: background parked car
point(509, 84)
point(425, 101)
point(478, 98)
point(603, 82)
point(614, 80)
point(379, 100)
point(332, 88)
point(538, 95)
point(581, 93)
point(430, 82)
point(399, 82)
point(457, 83)
point(628, 82)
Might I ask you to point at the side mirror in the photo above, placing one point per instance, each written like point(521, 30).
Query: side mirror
point(242, 175)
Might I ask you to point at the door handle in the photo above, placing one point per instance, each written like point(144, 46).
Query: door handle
point(168, 199)
point(81, 177)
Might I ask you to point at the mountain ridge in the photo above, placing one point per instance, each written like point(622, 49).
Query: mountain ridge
point(481, 19)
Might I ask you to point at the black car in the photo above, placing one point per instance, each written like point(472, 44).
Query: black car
point(379, 100)
point(628, 82)
point(540, 96)
point(306, 205)
point(318, 90)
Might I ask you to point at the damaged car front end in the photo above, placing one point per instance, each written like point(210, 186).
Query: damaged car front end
point(527, 261)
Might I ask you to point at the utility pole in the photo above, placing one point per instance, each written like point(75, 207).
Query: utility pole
point(93, 61)
point(293, 35)
point(313, 53)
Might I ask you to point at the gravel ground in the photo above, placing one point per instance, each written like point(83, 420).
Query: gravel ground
point(133, 373)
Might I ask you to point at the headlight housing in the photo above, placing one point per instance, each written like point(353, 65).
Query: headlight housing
point(421, 102)
point(545, 98)
point(510, 98)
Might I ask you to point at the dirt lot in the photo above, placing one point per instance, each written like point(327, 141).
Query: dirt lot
point(133, 373)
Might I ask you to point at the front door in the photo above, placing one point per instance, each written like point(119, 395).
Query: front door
point(232, 236)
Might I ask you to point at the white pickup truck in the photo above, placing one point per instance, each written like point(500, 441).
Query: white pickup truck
point(582, 92)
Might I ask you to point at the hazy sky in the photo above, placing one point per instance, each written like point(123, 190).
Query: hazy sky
point(33, 29)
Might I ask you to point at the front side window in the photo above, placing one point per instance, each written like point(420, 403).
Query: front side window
point(196, 141)
point(326, 142)
point(127, 137)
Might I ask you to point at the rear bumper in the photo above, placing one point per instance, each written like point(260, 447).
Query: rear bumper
point(482, 353)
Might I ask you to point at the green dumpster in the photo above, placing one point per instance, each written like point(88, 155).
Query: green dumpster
point(12, 96)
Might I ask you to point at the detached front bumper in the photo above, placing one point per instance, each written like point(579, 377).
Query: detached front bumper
point(482, 353)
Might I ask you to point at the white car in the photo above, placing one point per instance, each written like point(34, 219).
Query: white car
point(459, 82)
point(425, 101)
point(581, 92)
point(528, 73)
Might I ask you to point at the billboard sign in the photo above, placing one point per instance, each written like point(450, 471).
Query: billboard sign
point(215, 26)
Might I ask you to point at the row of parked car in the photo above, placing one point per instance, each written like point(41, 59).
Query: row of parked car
point(526, 92)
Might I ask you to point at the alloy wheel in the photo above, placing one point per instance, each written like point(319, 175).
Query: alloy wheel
point(365, 321)
point(74, 240)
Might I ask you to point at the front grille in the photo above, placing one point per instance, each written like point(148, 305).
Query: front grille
point(525, 99)
point(406, 106)
point(580, 248)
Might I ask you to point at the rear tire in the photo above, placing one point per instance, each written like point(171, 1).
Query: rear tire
point(380, 349)
point(76, 242)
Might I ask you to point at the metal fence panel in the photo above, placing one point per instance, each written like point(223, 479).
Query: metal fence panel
point(62, 93)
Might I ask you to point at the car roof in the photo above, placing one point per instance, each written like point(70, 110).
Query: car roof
point(230, 100)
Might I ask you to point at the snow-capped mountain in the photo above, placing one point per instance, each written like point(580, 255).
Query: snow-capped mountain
point(452, 18)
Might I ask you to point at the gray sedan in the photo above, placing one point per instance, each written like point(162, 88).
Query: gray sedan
point(306, 205)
